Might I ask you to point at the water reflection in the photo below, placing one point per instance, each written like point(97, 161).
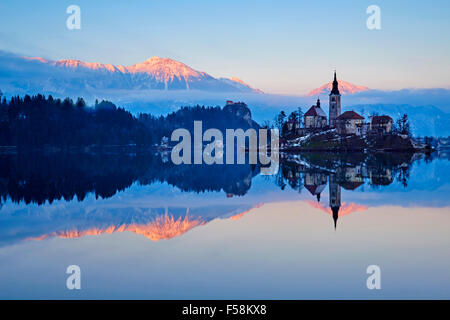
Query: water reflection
point(40, 178)
point(43, 190)
point(140, 227)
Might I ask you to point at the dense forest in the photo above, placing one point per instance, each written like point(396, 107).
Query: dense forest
point(37, 121)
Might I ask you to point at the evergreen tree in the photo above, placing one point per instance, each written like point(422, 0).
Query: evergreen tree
point(300, 116)
point(279, 120)
point(402, 125)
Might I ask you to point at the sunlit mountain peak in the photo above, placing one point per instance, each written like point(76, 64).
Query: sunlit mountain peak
point(344, 88)
point(154, 73)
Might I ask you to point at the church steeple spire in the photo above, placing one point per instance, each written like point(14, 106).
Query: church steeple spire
point(335, 198)
point(335, 102)
point(335, 89)
point(335, 211)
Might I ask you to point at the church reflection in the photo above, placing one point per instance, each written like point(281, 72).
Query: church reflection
point(335, 198)
point(315, 172)
point(315, 183)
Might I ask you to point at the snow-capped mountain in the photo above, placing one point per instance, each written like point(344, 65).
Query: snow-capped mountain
point(155, 73)
point(344, 88)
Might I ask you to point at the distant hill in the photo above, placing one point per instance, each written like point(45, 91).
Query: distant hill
point(35, 74)
point(425, 120)
point(344, 88)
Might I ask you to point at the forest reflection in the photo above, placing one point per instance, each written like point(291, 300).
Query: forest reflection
point(46, 177)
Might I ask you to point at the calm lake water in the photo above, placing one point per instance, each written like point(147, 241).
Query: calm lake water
point(142, 228)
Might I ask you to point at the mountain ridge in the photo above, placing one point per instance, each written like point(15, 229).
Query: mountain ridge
point(154, 73)
point(344, 88)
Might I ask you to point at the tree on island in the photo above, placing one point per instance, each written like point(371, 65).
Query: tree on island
point(300, 115)
point(293, 116)
point(267, 125)
point(279, 120)
point(402, 125)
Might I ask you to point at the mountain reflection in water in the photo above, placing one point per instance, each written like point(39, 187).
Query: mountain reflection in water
point(37, 186)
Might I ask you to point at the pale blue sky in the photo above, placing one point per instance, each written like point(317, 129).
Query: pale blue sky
point(278, 46)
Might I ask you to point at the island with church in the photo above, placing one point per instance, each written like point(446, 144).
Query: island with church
point(347, 131)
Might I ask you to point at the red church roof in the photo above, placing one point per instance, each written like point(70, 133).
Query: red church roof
point(350, 115)
point(381, 119)
point(315, 111)
point(315, 190)
point(351, 185)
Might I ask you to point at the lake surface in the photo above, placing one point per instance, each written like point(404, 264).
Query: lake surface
point(140, 227)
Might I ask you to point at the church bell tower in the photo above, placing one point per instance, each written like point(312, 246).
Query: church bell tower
point(335, 103)
point(334, 198)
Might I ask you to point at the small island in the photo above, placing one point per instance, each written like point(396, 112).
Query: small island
point(344, 132)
